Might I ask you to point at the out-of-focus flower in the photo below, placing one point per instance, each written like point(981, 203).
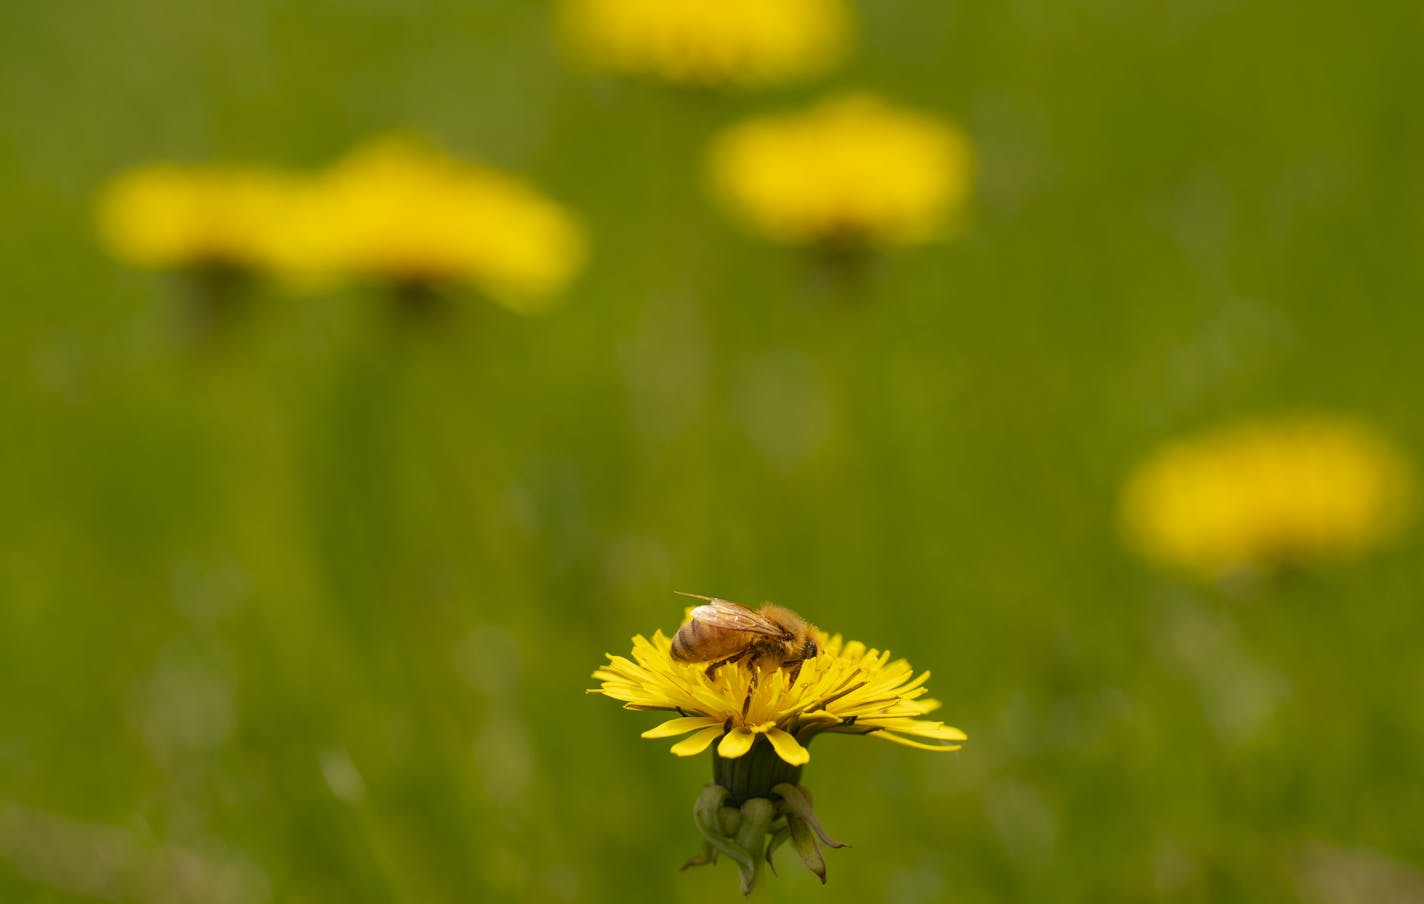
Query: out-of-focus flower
point(166, 216)
point(761, 730)
point(714, 44)
point(1257, 495)
point(850, 172)
point(402, 213)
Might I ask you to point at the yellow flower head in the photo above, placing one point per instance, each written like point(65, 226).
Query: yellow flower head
point(722, 43)
point(1262, 494)
point(401, 212)
point(852, 170)
point(846, 688)
point(166, 216)
point(762, 712)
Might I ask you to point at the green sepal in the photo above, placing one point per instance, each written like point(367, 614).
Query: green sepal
point(757, 815)
point(797, 801)
point(708, 856)
point(805, 844)
point(707, 815)
point(730, 819)
point(778, 838)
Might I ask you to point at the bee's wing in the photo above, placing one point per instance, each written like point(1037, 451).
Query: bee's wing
point(736, 617)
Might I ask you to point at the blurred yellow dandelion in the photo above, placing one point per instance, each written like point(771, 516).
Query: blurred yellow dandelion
point(759, 722)
point(1262, 494)
point(714, 44)
point(400, 212)
point(166, 216)
point(851, 171)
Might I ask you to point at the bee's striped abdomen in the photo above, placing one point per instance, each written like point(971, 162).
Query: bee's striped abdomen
point(681, 646)
point(697, 641)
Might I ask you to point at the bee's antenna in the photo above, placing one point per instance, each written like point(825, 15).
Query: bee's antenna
point(696, 596)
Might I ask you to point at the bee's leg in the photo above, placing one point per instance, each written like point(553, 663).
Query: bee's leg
point(711, 670)
point(751, 690)
point(795, 671)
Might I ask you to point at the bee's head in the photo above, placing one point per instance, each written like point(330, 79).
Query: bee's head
point(810, 650)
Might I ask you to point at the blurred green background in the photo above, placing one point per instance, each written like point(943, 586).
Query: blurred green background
point(307, 614)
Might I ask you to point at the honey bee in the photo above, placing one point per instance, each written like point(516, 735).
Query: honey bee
point(722, 633)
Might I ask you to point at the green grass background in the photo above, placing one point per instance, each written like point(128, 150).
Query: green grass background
point(307, 614)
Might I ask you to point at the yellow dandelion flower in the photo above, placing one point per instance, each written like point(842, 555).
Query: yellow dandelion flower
point(760, 721)
point(1257, 495)
point(166, 216)
point(851, 171)
point(400, 212)
point(845, 689)
point(726, 43)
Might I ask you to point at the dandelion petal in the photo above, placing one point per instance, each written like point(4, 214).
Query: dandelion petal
point(680, 726)
point(737, 742)
point(695, 744)
point(788, 748)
